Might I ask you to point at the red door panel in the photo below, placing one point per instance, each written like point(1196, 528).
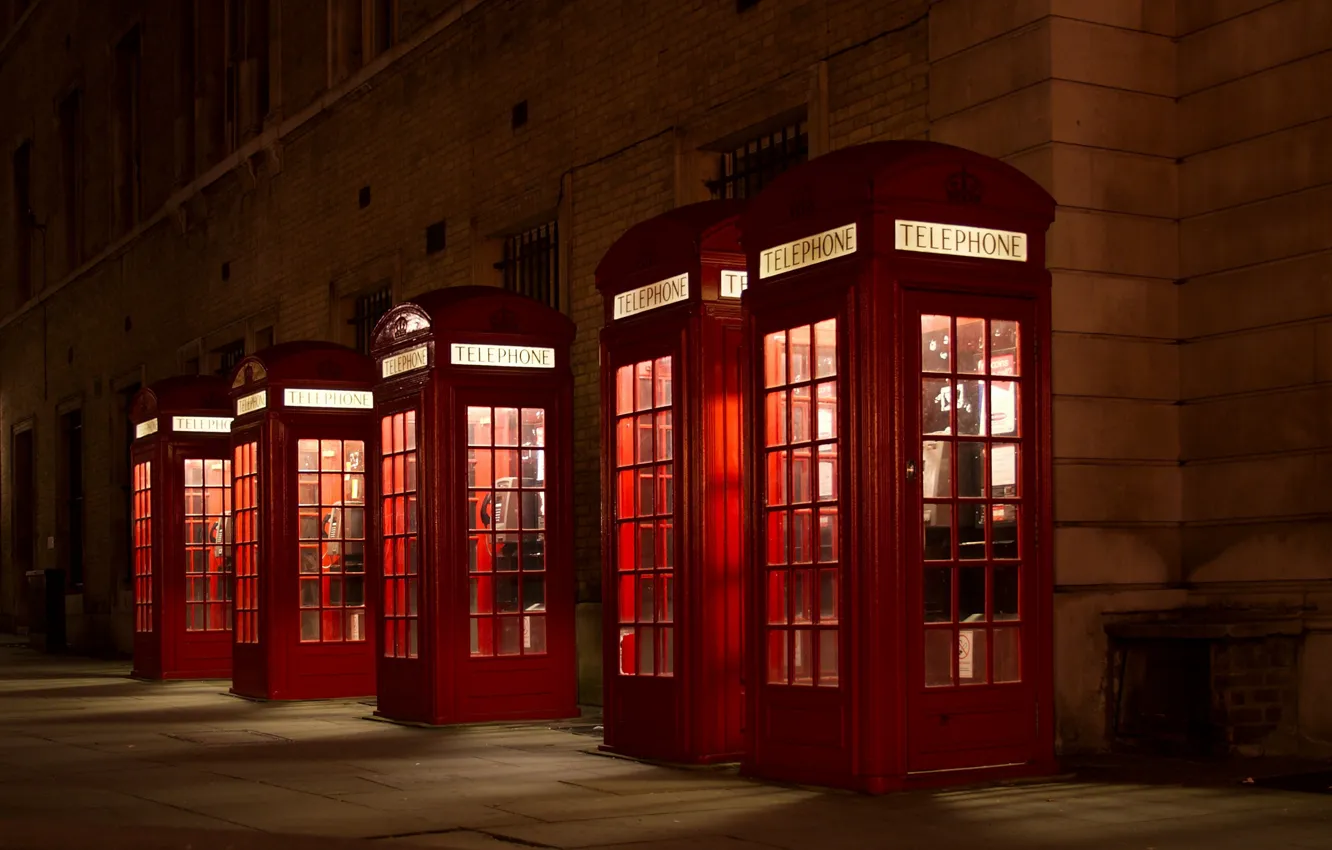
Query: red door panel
point(516, 602)
point(970, 558)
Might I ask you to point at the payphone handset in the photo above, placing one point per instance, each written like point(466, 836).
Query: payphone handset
point(505, 517)
point(334, 558)
point(219, 536)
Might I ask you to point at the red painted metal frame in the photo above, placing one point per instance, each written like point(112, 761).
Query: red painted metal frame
point(170, 651)
point(696, 714)
point(868, 732)
point(445, 683)
point(280, 666)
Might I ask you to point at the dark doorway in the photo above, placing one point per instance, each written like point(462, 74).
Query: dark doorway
point(24, 496)
point(70, 524)
point(1163, 699)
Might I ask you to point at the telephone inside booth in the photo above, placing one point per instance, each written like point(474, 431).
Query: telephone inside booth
point(332, 539)
point(507, 510)
point(208, 566)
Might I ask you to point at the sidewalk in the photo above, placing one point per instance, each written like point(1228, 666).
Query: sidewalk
point(90, 759)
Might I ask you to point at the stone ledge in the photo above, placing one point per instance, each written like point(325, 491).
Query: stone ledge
point(1205, 625)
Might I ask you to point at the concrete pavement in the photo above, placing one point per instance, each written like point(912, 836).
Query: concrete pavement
point(90, 758)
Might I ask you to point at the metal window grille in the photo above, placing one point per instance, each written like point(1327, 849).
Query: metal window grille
point(228, 356)
point(370, 308)
point(531, 264)
point(747, 168)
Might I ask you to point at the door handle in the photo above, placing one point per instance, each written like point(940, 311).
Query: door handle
point(911, 470)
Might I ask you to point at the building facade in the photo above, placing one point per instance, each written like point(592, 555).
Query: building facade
point(187, 182)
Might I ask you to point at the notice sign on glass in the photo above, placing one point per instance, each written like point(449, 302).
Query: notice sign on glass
point(650, 297)
point(336, 399)
point(959, 241)
point(511, 356)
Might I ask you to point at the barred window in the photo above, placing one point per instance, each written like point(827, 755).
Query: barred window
point(370, 308)
point(748, 167)
point(531, 264)
point(227, 356)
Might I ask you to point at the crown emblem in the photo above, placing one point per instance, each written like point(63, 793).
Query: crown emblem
point(963, 187)
point(403, 324)
point(399, 329)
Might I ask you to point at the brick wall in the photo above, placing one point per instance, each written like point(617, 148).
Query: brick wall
point(1182, 141)
point(1255, 692)
point(619, 95)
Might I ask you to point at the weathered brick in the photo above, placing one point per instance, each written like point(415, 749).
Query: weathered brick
point(431, 135)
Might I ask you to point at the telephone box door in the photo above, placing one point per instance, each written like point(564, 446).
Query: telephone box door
point(514, 591)
point(972, 565)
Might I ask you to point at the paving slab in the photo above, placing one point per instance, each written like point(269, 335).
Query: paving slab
point(706, 842)
point(459, 839)
point(627, 829)
point(562, 808)
point(91, 759)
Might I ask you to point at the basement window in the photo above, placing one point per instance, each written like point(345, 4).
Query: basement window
point(226, 357)
point(370, 308)
point(745, 168)
point(531, 264)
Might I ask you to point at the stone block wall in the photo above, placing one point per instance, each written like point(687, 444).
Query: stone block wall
point(1255, 693)
point(1184, 140)
point(628, 104)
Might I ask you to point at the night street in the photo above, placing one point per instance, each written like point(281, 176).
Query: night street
point(656, 424)
point(91, 758)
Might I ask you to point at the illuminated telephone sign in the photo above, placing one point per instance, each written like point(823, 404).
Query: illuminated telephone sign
point(651, 297)
point(201, 424)
point(251, 403)
point(509, 356)
point(417, 357)
point(733, 283)
point(333, 399)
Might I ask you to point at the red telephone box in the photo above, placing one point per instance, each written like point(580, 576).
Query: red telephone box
point(900, 585)
point(304, 421)
point(672, 499)
point(180, 528)
point(473, 459)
